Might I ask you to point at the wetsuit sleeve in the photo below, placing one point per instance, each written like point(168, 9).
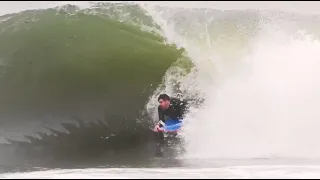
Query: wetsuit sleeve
point(161, 115)
point(182, 104)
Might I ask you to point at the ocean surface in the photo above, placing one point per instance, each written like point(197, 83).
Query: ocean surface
point(79, 85)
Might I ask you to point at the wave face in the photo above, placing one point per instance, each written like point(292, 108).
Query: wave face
point(72, 78)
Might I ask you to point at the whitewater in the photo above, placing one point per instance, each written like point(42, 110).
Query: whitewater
point(255, 65)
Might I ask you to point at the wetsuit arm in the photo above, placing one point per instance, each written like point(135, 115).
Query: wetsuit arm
point(161, 115)
point(182, 104)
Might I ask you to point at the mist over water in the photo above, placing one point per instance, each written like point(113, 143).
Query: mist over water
point(269, 109)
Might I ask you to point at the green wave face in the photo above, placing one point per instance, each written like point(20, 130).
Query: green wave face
point(78, 63)
point(62, 69)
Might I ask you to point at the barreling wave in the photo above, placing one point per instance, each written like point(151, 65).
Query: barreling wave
point(78, 86)
point(74, 83)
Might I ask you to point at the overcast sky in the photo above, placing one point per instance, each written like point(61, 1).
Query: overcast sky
point(296, 6)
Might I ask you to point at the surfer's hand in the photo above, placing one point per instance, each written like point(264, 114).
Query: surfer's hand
point(157, 128)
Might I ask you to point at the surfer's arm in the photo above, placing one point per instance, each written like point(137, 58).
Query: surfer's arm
point(160, 123)
point(161, 115)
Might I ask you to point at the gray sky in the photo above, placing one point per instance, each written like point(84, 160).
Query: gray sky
point(295, 6)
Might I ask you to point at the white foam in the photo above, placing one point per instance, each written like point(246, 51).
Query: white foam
point(267, 110)
point(268, 107)
point(276, 171)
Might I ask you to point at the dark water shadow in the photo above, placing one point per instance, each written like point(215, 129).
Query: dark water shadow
point(84, 144)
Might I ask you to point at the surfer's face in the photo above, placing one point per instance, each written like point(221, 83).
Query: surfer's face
point(164, 104)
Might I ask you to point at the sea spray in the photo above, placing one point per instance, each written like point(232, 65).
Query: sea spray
point(259, 103)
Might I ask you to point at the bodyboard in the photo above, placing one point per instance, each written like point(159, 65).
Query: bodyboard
point(172, 125)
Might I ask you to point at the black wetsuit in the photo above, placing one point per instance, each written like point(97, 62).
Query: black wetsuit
point(176, 110)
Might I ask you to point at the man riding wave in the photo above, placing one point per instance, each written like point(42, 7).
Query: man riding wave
point(174, 108)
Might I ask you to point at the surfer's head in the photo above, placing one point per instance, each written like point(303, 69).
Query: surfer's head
point(164, 101)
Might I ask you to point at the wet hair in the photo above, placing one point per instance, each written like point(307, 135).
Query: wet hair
point(164, 97)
